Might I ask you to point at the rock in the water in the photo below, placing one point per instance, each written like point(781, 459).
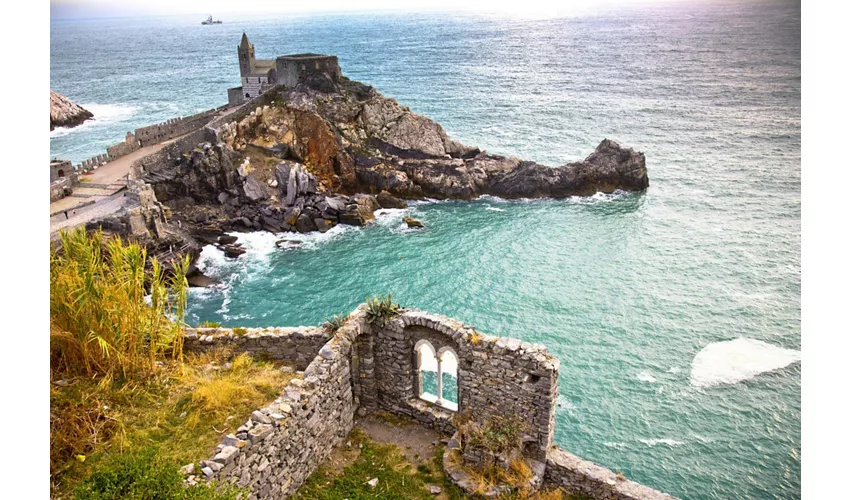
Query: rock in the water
point(411, 222)
point(234, 250)
point(386, 200)
point(287, 243)
point(226, 239)
point(305, 224)
point(200, 280)
point(64, 113)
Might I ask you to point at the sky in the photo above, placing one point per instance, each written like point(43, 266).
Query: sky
point(222, 8)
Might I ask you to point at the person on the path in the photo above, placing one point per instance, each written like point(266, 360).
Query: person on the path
point(66, 214)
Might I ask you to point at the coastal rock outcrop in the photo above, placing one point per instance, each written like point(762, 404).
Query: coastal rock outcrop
point(64, 113)
point(353, 139)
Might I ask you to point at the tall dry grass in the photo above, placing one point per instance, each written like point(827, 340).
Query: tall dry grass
point(102, 323)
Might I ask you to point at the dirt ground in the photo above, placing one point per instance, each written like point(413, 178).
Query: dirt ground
point(418, 443)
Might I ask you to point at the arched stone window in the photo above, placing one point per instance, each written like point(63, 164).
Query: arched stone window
point(447, 373)
point(60, 173)
point(436, 375)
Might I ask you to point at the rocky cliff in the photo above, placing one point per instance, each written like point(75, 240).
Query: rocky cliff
point(64, 113)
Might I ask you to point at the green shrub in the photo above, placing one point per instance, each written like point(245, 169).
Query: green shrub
point(240, 331)
point(381, 310)
point(145, 476)
point(210, 324)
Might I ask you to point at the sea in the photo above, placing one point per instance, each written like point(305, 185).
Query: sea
point(675, 312)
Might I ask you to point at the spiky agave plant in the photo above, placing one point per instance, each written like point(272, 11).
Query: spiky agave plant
point(380, 310)
point(334, 323)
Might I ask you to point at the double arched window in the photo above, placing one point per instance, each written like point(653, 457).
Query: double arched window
point(436, 374)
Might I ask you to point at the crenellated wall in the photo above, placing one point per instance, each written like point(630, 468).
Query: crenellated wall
point(154, 134)
point(363, 368)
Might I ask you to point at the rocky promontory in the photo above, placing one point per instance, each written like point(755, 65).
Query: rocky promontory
point(333, 151)
point(64, 113)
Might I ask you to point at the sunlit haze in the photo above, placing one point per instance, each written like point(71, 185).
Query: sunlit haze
point(217, 8)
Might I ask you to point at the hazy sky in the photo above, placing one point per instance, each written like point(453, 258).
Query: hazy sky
point(221, 8)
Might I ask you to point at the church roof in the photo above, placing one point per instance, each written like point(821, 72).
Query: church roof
point(263, 66)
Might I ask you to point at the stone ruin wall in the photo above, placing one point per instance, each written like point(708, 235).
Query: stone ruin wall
point(362, 369)
point(496, 376)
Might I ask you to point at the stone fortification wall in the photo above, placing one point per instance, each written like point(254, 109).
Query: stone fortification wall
point(125, 147)
point(61, 188)
point(293, 68)
point(295, 346)
point(567, 471)
point(154, 134)
point(364, 368)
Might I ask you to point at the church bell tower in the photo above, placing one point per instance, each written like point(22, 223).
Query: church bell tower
point(246, 56)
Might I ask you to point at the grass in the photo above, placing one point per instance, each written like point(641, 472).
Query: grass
point(145, 475)
point(240, 331)
point(397, 478)
point(184, 413)
point(210, 324)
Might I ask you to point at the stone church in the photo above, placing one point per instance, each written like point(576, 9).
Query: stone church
point(259, 75)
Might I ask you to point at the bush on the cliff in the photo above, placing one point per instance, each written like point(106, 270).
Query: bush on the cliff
point(101, 322)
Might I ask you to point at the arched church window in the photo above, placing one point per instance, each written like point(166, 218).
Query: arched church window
point(436, 375)
point(447, 373)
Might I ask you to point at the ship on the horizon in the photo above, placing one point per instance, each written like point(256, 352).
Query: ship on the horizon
point(211, 21)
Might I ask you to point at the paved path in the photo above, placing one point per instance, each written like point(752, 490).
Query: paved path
point(105, 206)
point(100, 192)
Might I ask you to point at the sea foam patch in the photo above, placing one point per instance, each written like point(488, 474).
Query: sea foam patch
point(733, 361)
point(103, 114)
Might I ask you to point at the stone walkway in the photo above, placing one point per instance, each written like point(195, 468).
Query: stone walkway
point(100, 192)
point(103, 207)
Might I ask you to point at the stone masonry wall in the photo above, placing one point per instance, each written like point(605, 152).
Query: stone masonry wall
point(276, 449)
point(363, 368)
point(295, 346)
point(496, 376)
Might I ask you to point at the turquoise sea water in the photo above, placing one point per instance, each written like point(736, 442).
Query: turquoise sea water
point(625, 289)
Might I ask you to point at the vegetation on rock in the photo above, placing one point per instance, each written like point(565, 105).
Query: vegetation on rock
point(380, 310)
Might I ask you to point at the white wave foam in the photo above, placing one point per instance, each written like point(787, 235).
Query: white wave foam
point(653, 442)
point(103, 115)
point(598, 197)
point(614, 445)
point(733, 361)
point(494, 209)
point(566, 404)
point(645, 376)
point(674, 369)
